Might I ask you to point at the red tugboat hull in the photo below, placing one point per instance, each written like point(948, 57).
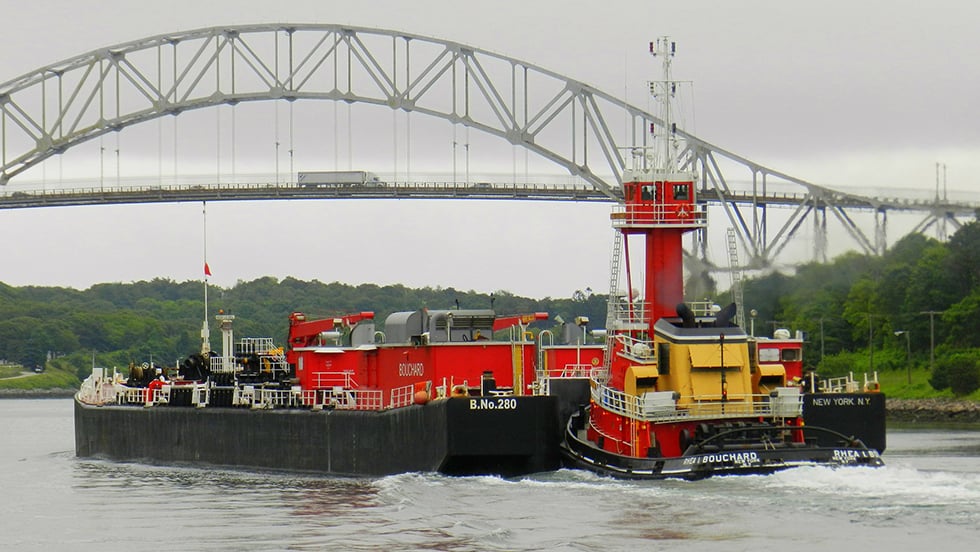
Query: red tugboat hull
point(716, 458)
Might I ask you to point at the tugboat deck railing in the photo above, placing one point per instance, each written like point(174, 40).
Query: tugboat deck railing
point(699, 407)
point(629, 315)
point(570, 370)
point(659, 215)
point(626, 315)
point(637, 350)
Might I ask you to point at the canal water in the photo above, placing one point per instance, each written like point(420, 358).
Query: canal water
point(927, 497)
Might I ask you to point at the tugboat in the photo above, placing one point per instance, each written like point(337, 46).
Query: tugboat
point(681, 391)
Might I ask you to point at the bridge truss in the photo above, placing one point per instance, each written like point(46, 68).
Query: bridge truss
point(583, 130)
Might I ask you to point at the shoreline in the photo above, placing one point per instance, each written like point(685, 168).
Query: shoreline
point(37, 393)
point(932, 411)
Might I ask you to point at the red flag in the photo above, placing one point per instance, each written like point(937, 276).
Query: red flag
point(207, 269)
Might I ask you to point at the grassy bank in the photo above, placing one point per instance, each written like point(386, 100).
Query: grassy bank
point(53, 377)
point(10, 370)
point(895, 384)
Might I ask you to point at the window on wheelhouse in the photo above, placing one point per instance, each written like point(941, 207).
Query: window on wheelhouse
point(682, 192)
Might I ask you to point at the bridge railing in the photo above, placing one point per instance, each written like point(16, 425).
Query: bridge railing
point(451, 186)
point(88, 193)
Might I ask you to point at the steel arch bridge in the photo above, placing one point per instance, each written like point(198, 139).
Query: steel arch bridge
point(584, 130)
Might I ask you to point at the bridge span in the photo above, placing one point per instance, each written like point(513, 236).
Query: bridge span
point(14, 198)
point(589, 134)
point(838, 203)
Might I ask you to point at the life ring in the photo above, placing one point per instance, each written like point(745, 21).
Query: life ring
point(459, 391)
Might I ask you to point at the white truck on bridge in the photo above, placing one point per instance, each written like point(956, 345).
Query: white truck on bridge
point(337, 178)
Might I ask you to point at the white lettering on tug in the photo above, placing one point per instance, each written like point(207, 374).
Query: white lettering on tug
point(494, 403)
point(411, 369)
point(848, 456)
point(741, 458)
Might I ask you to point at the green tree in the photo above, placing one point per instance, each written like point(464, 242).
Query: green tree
point(962, 321)
point(964, 257)
point(862, 309)
point(957, 370)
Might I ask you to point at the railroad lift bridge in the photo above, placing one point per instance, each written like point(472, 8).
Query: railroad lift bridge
point(576, 127)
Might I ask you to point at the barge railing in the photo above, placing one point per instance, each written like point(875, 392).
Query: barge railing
point(329, 380)
point(402, 396)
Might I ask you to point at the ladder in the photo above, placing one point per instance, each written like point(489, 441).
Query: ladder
point(736, 277)
point(613, 306)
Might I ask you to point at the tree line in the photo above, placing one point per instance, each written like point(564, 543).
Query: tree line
point(920, 299)
point(114, 324)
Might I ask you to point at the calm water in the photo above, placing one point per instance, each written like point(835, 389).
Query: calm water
point(928, 497)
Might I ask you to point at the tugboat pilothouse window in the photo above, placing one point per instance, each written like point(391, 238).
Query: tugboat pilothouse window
point(681, 192)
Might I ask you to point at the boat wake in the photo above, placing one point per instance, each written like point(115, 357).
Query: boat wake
point(898, 492)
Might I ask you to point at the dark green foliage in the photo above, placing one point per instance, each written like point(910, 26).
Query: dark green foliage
point(161, 320)
point(958, 371)
point(964, 380)
point(842, 364)
point(858, 301)
point(843, 307)
point(964, 258)
point(963, 322)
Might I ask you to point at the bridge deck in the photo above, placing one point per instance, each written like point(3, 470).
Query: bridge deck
point(107, 195)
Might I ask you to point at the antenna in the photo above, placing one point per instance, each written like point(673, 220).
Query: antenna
point(664, 91)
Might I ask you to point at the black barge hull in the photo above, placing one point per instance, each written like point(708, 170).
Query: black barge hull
point(505, 436)
point(858, 415)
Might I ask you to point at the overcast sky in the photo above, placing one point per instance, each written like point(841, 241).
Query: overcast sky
point(864, 95)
